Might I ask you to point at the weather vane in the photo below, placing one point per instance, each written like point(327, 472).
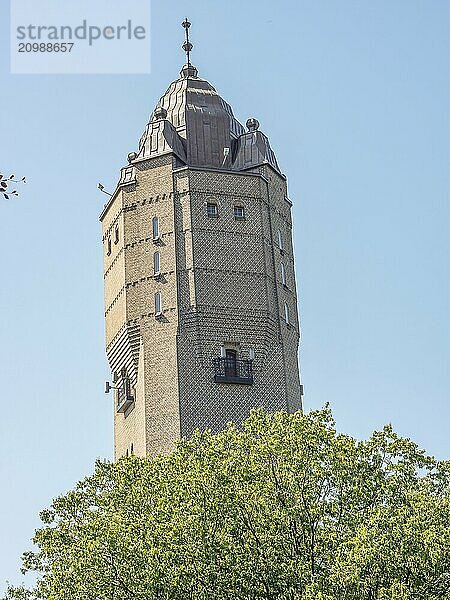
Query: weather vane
point(187, 46)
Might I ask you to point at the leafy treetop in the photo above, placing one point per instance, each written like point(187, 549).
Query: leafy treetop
point(285, 508)
point(5, 185)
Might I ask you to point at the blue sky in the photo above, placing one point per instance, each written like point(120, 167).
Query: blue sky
point(354, 96)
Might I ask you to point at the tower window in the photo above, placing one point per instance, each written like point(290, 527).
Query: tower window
point(230, 363)
point(109, 246)
point(212, 210)
point(286, 313)
point(124, 396)
point(156, 263)
point(116, 235)
point(158, 304)
point(155, 228)
point(283, 274)
point(228, 368)
point(280, 240)
point(239, 213)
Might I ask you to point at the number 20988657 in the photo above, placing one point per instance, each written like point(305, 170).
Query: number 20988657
point(46, 47)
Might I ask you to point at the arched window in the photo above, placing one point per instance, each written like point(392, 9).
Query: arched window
point(155, 228)
point(230, 362)
point(132, 448)
point(156, 263)
point(109, 246)
point(238, 211)
point(116, 235)
point(283, 274)
point(212, 210)
point(158, 304)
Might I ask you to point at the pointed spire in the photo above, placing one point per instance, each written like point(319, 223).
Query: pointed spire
point(188, 70)
point(187, 46)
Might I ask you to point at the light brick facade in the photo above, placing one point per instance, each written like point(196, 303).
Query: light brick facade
point(226, 281)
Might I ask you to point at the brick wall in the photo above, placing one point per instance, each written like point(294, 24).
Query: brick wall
point(220, 285)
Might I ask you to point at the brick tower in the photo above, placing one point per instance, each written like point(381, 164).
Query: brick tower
point(200, 296)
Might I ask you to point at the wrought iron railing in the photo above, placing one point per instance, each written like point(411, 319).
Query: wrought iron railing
point(232, 370)
point(124, 397)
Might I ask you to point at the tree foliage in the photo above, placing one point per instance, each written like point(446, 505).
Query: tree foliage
point(7, 182)
point(285, 508)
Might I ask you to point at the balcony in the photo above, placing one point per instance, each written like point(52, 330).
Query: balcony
point(124, 397)
point(232, 370)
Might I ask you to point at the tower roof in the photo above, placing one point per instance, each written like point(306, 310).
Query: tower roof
point(192, 120)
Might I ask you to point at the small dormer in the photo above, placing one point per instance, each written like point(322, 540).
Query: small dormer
point(252, 149)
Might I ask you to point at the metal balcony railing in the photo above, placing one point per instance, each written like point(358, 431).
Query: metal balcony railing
point(232, 370)
point(124, 397)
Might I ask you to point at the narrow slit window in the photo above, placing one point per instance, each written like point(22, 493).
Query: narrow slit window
point(286, 313)
point(212, 209)
point(280, 240)
point(156, 263)
point(158, 304)
point(155, 228)
point(283, 274)
point(116, 235)
point(109, 246)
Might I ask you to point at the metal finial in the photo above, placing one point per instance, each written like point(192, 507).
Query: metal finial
point(252, 124)
point(187, 46)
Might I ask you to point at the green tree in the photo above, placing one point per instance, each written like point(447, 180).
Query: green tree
point(284, 508)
